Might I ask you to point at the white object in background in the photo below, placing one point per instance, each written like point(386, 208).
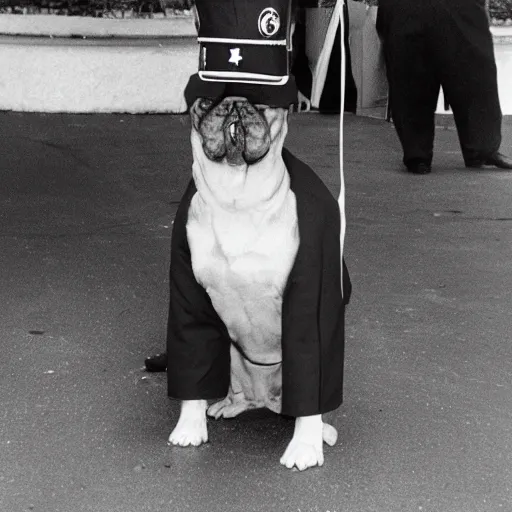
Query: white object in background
point(322, 64)
point(368, 66)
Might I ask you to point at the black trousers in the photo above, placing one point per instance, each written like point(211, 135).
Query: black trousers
point(331, 95)
point(434, 43)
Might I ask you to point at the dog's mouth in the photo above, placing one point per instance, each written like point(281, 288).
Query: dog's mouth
point(233, 129)
point(234, 132)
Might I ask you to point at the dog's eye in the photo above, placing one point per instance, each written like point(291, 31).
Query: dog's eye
point(205, 103)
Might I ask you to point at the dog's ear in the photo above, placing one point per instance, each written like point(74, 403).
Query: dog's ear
point(277, 120)
point(199, 109)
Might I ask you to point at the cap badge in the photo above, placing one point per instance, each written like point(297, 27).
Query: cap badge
point(235, 57)
point(268, 22)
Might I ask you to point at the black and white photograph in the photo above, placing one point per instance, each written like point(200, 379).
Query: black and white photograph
point(256, 255)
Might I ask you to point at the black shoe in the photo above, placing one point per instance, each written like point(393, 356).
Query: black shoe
point(419, 168)
point(494, 160)
point(157, 363)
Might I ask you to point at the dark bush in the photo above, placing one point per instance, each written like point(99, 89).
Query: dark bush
point(499, 10)
point(95, 8)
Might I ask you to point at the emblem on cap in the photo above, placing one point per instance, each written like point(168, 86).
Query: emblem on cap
point(235, 57)
point(268, 22)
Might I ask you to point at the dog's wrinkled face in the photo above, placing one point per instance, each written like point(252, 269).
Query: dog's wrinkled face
point(234, 129)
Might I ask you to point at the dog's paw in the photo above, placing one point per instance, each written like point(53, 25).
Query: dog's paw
point(228, 408)
point(302, 455)
point(306, 447)
point(189, 433)
point(191, 429)
point(329, 434)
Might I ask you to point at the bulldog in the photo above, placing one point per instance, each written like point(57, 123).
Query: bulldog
point(256, 314)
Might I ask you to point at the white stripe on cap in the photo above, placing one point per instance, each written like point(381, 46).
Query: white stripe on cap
point(278, 42)
point(246, 78)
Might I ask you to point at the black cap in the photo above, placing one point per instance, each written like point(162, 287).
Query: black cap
point(245, 41)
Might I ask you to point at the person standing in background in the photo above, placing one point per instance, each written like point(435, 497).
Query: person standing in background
point(306, 72)
point(331, 94)
point(433, 43)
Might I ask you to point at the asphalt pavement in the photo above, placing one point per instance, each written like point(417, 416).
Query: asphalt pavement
point(86, 209)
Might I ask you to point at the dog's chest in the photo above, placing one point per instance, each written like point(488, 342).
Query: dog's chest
point(243, 260)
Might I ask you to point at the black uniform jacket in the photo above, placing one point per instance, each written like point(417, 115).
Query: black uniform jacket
point(198, 344)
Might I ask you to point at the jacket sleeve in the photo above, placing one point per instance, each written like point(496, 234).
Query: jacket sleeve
point(313, 306)
point(197, 340)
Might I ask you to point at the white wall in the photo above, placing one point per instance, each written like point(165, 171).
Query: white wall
point(69, 76)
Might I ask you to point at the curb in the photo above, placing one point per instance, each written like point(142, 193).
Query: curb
point(37, 25)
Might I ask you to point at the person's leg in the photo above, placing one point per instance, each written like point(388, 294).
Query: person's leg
point(330, 101)
point(464, 54)
point(300, 64)
point(350, 83)
point(413, 92)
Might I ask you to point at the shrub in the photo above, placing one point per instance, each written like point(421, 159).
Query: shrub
point(500, 10)
point(95, 8)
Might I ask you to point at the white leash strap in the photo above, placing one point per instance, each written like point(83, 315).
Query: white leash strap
point(319, 77)
point(341, 198)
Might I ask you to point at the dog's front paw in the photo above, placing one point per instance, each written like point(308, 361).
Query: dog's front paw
point(191, 429)
point(306, 447)
point(302, 455)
